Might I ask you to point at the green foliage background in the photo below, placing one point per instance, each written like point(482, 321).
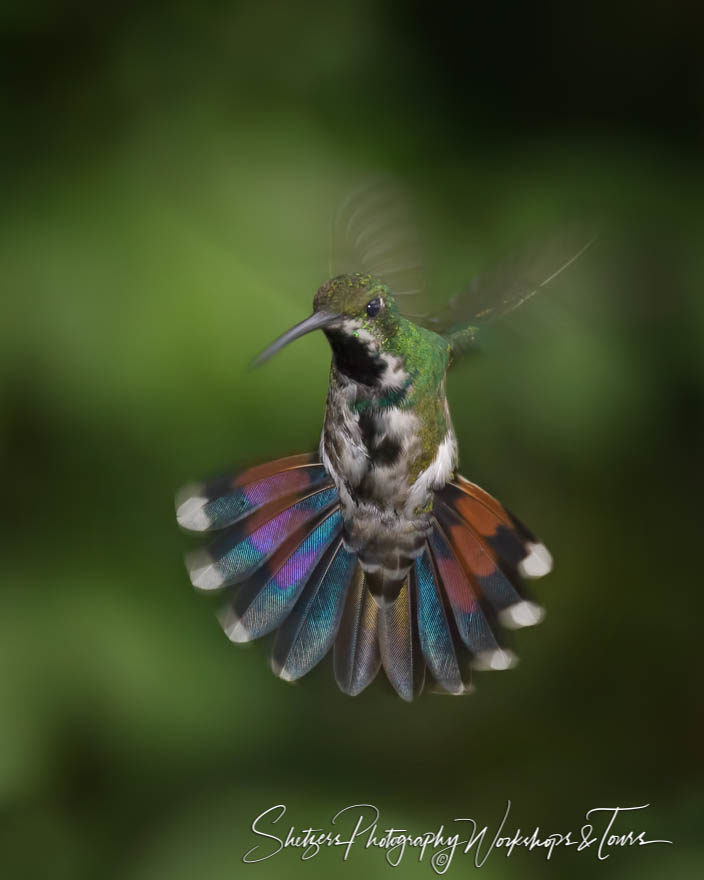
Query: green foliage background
point(167, 175)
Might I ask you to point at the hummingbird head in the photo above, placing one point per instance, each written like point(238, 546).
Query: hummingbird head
point(360, 319)
point(359, 299)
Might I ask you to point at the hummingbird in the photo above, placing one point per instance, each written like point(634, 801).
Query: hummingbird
point(374, 546)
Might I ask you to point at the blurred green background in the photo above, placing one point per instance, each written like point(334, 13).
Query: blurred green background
point(168, 170)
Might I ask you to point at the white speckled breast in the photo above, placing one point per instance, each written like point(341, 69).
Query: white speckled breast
point(382, 505)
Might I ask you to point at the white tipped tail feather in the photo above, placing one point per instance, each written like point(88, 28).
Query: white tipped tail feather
point(189, 509)
point(537, 563)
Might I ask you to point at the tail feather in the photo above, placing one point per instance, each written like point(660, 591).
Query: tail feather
point(356, 655)
point(513, 542)
point(440, 649)
point(308, 632)
point(263, 603)
point(277, 466)
point(471, 619)
point(244, 547)
point(487, 521)
point(225, 501)
point(399, 642)
point(480, 564)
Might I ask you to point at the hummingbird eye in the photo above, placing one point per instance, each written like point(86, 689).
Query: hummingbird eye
point(374, 306)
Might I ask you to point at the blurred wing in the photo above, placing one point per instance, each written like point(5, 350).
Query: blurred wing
point(505, 288)
point(373, 232)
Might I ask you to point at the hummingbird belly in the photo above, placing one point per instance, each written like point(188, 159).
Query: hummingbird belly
point(386, 472)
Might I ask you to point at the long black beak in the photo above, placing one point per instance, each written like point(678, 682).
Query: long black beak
point(316, 321)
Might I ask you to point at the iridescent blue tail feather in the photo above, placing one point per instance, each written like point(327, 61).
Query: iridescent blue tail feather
point(308, 632)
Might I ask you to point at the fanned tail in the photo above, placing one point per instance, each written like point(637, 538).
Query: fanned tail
point(281, 555)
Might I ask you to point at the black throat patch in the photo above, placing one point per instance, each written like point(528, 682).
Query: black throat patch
point(352, 358)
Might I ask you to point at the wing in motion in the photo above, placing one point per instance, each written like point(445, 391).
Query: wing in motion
point(374, 232)
point(513, 282)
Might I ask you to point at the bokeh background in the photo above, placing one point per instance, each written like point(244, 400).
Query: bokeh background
point(168, 170)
